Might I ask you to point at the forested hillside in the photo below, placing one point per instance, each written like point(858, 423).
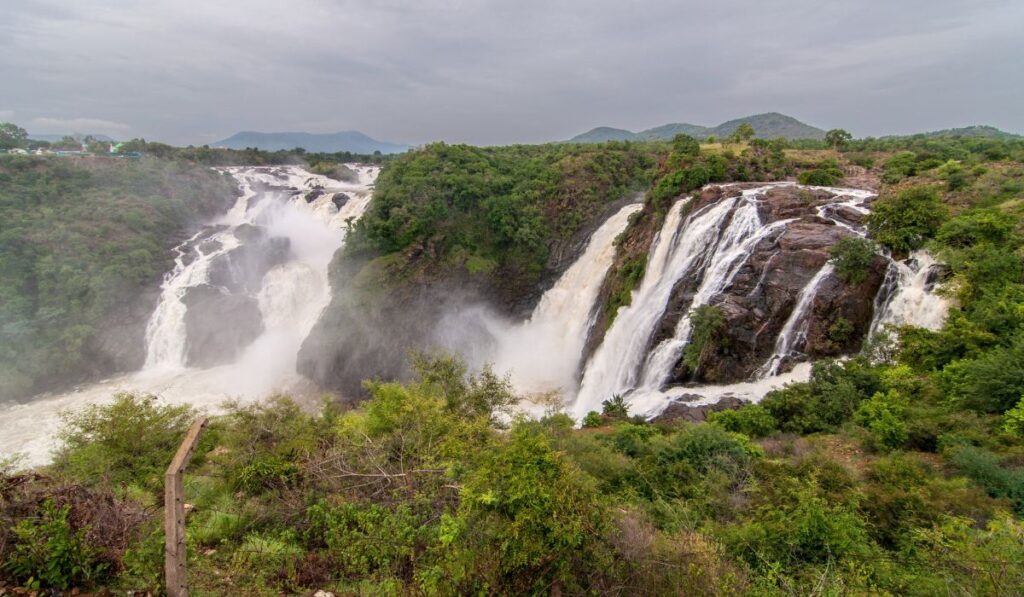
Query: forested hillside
point(83, 246)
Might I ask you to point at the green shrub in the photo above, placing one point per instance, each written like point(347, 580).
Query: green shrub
point(985, 469)
point(883, 416)
point(993, 382)
point(904, 221)
point(48, 553)
point(101, 444)
point(1013, 419)
point(593, 419)
point(825, 175)
point(852, 257)
point(615, 408)
point(707, 335)
point(752, 420)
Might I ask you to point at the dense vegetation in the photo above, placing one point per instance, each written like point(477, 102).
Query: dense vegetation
point(494, 211)
point(897, 472)
point(80, 241)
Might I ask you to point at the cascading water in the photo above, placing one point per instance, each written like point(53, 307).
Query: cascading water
point(709, 245)
point(302, 218)
point(908, 296)
point(543, 353)
point(707, 249)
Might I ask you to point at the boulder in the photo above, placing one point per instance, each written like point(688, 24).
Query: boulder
point(680, 410)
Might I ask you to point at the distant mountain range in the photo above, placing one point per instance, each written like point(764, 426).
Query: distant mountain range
point(353, 141)
point(766, 126)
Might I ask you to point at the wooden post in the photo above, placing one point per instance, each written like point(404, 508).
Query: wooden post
point(174, 513)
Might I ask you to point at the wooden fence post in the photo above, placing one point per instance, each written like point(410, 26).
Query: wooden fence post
point(174, 513)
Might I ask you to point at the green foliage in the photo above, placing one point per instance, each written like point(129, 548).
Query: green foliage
point(593, 419)
point(827, 174)
point(837, 138)
point(1013, 420)
point(883, 416)
point(752, 420)
point(615, 408)
point(101, 443)
point(824, 403)
point(707, 335)
point(81, 239)
point(904, 221)
point(502, 206)
point(985, 468)
point(48, 553)
point(12, 136)
point(992, 382)
point(852, 257)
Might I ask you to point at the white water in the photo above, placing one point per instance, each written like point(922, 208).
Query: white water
point(290, 299)
point(542, 354)
point(794, 332)
point(907, 298)
point(710, 246)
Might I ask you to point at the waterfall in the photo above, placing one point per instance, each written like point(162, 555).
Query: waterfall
point(706, 250)
point(909, 296)
point(302, 217)
point(794, 331)
point(710, 245)
point(543, 353)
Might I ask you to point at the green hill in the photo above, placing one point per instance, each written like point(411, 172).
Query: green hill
point(767, 126)
point(978, 131)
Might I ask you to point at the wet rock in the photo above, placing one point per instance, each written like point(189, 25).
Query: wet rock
point(313, 195)
point(339, 200)
point(679, 410)
point(218, 325)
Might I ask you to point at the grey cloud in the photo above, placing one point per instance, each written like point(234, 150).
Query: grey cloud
point(496, 71)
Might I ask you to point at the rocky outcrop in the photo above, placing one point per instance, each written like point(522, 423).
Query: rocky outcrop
point(764, 291)
point(219, 325)
point(680, 409)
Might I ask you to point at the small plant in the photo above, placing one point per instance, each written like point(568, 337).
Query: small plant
point(615, 408)
point(593, 419)
point(1013, 419)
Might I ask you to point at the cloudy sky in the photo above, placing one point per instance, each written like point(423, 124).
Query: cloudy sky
point(494, 72)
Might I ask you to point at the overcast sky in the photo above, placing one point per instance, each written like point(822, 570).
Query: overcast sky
point(496, 72)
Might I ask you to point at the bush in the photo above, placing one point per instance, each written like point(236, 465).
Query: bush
point(593, 419)
point(102, 444)
point(985, 469)
point(852, 257)
point(707, 335)
point(1013, 419)
point(883, 416)
point(752, 420)
point(903, 222)
point(992, 383)
point(48, 553)
point(825, 175)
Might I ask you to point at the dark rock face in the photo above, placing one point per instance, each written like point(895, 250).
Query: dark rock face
point(679, 410)
point(339, 200)
point(765, 291)
point(242, 269)
point(219, 325)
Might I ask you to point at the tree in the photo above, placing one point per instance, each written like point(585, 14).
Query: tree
point(903, 222)
point(744, 132)
point(837, 138)
point(12, 135)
